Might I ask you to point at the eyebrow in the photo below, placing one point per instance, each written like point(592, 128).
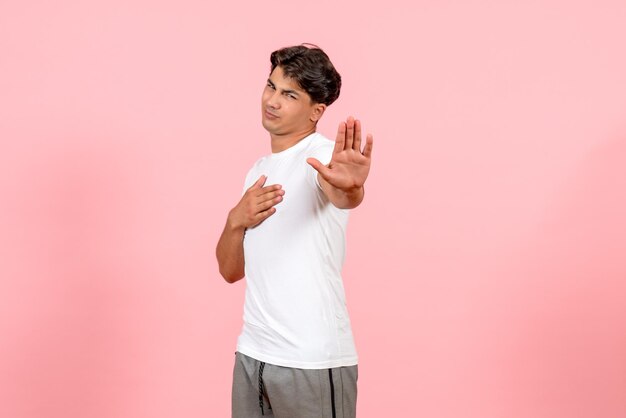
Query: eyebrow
point(288, 91)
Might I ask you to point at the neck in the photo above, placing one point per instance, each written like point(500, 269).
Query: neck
point(283, 142)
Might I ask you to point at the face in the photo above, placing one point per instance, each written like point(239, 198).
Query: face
point(286, 108)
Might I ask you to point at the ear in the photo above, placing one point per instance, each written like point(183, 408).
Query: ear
point(317, 112)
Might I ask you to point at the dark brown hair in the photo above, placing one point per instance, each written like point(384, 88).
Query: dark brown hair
point(311, 68)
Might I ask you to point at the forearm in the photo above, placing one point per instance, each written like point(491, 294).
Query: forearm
point(229, 253)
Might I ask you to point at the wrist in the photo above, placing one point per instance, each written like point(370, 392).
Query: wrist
point(348, 199)
point(233, 224)
point(353, 191)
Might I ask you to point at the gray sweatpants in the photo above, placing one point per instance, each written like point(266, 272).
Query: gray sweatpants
point(267, 390)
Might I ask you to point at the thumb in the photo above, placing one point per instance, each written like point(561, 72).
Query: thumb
point(319, 167)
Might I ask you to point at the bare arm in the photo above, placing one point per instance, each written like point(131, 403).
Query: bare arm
point(342, 180)
point(229, 253)
point(256, 205)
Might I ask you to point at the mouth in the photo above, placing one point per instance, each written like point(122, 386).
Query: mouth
point(270, 115)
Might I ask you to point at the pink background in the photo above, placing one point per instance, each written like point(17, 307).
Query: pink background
point(485, 275)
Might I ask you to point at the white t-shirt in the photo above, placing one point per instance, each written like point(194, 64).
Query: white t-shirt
point(295, 312)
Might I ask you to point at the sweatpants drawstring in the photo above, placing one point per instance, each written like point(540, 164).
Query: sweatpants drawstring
point(262, 389)
point(332, 393)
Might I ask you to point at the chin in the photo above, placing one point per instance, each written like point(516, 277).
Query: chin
point(265, 124)
point(269, 126)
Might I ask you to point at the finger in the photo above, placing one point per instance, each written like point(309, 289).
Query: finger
point(319, 167)
point(369, 144)
point(259, 183)
point(261, 216)
point(341, 138)
point(269, 196)
point(269, 189)
point(349, 132)
point(269, 203)
point(356, 145)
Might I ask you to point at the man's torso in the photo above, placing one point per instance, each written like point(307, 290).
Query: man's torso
point(295, 313)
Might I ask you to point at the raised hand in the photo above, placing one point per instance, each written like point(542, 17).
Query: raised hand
point(256, 205)
point(349, 166)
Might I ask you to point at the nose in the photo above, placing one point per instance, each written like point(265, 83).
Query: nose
point(273, 100)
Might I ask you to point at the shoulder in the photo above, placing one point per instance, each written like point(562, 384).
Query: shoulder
point(321, 148)
point(320, 141)
point(258, 163)
point(254, 172)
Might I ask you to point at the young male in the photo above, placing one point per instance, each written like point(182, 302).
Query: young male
point(295, 355)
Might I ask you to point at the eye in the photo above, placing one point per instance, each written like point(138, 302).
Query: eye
point(270, 85)
point(291, 96)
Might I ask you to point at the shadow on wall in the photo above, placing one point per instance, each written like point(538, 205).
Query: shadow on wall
point(567, 302)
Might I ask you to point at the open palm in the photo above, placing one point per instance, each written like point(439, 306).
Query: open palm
point(349, 166)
